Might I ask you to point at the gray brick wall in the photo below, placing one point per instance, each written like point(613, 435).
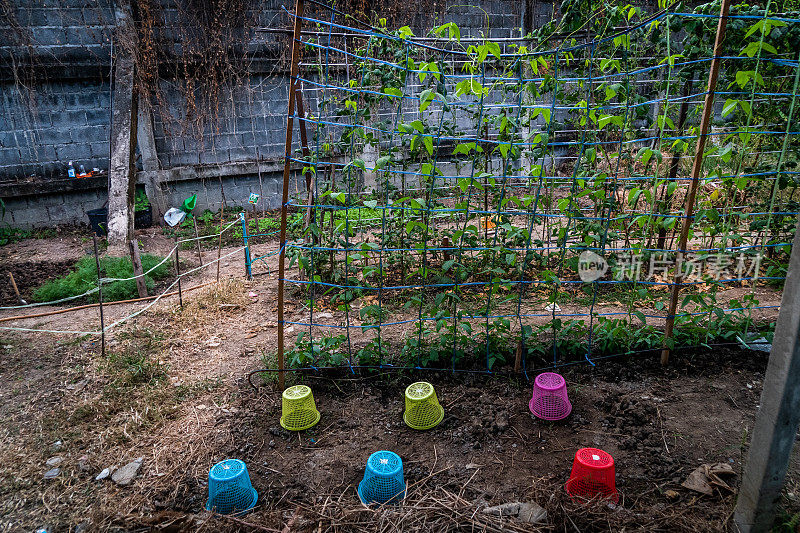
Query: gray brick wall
point(66, 116)
point(69, 122)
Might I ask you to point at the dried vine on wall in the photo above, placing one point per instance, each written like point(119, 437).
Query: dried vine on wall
point(201, 51)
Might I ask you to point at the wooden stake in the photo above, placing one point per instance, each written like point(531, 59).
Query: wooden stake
point(197, 240)
point(16, 290)
point(697, 166)
point(138, 271)
point(296, 45)
point(219, 254)
point(100, 298)
point(178, 270)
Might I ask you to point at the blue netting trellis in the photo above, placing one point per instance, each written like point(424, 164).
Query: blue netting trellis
point(475, 202)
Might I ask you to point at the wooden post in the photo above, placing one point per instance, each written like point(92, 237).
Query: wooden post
point(778, 417)
point(697, 167)
point(301, 114)
point(16, 290)
point(286, 175)
point(136, 260)
point(178, 270)
point(219, 244)
point(219, 252)
point(100, 299)
point(197, 240)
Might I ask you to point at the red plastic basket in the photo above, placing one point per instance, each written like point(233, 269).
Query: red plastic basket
point(592, 475)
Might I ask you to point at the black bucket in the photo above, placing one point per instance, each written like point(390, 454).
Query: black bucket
point(143, 218)
point(98, 220)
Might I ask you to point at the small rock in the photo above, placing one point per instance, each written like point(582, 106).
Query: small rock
point(530, 512)
point(78, 386)
point(57, 445)
point(83, 463)
point(105, 473)
point(325, 315)
point(54, 461)
point(672, 494)
point(52, 473)
point(272, 444)
point(124, 476)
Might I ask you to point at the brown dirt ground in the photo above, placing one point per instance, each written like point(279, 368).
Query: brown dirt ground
point(172, 389)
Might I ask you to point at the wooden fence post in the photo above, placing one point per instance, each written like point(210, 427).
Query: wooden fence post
point(778, 417)
point(100, 299)
point(136, 260)
point(178, 269)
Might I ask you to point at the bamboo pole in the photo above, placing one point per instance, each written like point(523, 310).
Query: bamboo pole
point(296, 45)
point(100, 298)
point(697, 166)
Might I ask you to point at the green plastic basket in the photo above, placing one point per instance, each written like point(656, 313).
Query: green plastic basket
point(423, 410)
point(299, 411)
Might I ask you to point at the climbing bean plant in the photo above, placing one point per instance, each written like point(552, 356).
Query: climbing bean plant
point(477, 203)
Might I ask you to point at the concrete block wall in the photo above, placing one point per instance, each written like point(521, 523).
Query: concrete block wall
point(70, 122)
point(251, 124)
point(68, 116)
point(50, 210)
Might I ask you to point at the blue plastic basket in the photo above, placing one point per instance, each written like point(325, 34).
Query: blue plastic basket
point(383, 479)
point(229, 488)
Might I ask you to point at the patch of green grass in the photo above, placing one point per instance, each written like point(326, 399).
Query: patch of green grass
point(10, 235)
point(84, 277)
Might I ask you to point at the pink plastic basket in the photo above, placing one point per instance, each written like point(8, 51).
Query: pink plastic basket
point(550, 400)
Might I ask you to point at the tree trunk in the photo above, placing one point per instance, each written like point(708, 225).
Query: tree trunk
point(122, 167)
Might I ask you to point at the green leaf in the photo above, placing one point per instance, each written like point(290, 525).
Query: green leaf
point(382, 162)
point(392, 91)
point(425, 99)
point(372, 204)
point(493, 48)
point(464, 148)
point(504, 147)
point(428, 144)
point(729, 106)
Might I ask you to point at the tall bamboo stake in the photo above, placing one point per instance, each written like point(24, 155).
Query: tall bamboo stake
point(697, 166)
point(296, 44)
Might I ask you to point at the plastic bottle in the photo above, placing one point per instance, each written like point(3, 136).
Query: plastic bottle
point(71, 170)
point(82, 170)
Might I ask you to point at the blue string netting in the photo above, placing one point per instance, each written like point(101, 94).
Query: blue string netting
point(229, 488)
point(383, 479)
